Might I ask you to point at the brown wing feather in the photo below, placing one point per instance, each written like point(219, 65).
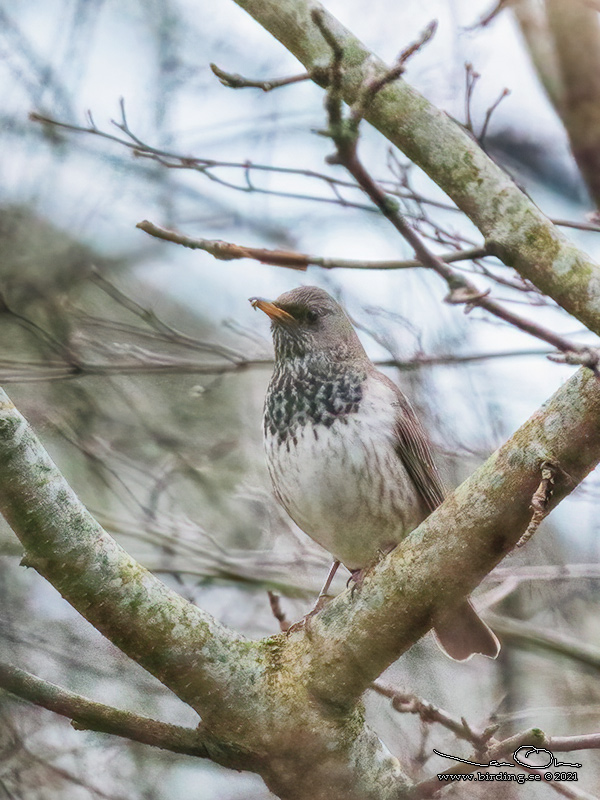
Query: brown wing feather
point(460, 633)
point(414, 450)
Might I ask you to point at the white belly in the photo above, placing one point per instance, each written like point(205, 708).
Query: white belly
point(345, 486)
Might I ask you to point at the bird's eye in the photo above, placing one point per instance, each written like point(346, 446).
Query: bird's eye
point(311, 316)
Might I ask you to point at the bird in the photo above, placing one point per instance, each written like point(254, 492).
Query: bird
point(348, 458)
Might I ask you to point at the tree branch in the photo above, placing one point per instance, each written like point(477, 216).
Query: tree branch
point(407, 703)
point(515, 229)
point(227, 251)
point(575, 31)
point(344, 648)
point(533, 22)
point(344, 132)
point(496, 750)
point(525, 634)
point(233, 683)
point(235, 81)
point(183, 646)
point(89, 715)
point(357, 636)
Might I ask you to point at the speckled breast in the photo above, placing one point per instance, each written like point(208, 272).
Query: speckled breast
point(329, 440)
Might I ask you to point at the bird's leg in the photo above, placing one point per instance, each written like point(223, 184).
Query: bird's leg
point(321, 600)
point(356, 578)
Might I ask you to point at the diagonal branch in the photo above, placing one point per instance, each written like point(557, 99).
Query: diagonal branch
point(358, 635)
point(89, 715)
point(203, 662)
point(515, 229)
point(344, 132)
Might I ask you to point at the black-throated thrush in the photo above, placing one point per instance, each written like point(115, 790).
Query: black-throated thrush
point(348, 458)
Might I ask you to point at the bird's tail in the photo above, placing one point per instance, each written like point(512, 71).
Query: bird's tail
point(462, 633)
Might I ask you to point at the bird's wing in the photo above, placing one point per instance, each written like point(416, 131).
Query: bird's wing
point(414, 450)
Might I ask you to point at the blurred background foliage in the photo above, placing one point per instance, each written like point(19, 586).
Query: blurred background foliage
point(143, 368)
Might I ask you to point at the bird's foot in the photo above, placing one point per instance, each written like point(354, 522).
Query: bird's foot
point(357, 576)
point(304, 623)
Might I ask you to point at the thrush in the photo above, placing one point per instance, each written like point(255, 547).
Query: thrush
point(348, 458)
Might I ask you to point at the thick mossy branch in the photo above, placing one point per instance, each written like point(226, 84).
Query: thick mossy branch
point(253, 718)
point(515, 229)
point(184, 647)
point(359, 634)
point(286, 707)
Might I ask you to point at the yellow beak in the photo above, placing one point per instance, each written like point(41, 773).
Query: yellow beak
point(271, 310)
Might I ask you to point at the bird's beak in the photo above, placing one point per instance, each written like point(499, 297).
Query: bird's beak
point(271, 310)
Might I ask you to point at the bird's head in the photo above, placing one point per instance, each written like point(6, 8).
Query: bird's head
point(308, 322)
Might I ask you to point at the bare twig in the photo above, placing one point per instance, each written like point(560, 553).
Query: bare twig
point(227, 251)
point(485, 20)
point(206, 167)
point(471, 78)
point(488, 115)
point(406, 703)
point(147, 362)
point(234, 81)
point(586, 357)
point(497, 750)
point(580, 226)
point(148, 316)
point(527, 634)
point(549, 572)
point(374, 86)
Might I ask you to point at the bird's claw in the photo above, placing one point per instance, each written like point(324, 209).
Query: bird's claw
point(357, 576)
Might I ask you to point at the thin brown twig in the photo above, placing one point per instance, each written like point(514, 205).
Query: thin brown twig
point(485, 747)
point(407, 703)
point(580, 226)
point(151, 363)
point(528, 634)
point(485, 20)
point(373, 87)
point(586, 357)
point(488, 115)
point(227, 251)
point(205, 166)
point(234, 81)
point(471, 78)
point(174, 160)
point(160, 328)
point(546, 572)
